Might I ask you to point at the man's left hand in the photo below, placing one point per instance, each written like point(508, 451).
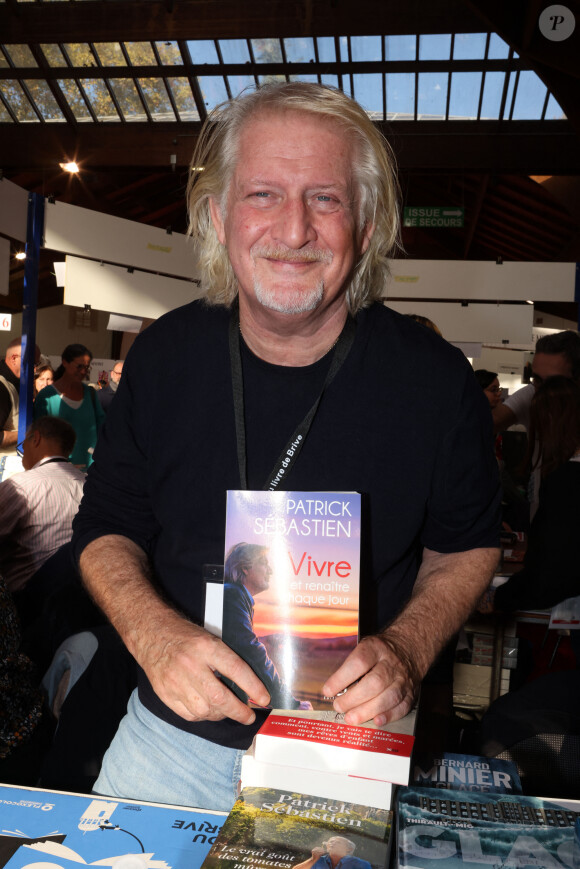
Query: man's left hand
point(386, 682)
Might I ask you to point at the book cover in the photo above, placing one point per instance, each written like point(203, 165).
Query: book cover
point(368, 751)
point(440, 830)
point(271, 827)
point(291, 588)
point(332, 785)
point(466, 772)
point(54, 830)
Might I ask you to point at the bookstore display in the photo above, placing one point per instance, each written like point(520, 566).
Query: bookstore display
point(297, 621)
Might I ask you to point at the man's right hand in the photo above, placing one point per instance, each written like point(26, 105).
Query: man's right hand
point(183, 663)
point(181, 659)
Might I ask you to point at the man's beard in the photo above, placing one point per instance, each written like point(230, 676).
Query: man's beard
point(290, 300)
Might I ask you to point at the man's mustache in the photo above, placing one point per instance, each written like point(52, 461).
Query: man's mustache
point(282, 254)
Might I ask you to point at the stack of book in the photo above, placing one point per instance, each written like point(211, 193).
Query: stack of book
point(319, 753)
point(305, 622)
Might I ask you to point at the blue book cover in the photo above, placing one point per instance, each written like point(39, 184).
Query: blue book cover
point(465, 772)
point(439, 829)
point(50, 830)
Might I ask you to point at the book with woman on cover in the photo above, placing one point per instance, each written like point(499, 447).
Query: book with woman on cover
point(291, 589)
point(270, 827)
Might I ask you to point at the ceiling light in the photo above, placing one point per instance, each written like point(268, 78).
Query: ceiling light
point(69, 167)
point(20, 255)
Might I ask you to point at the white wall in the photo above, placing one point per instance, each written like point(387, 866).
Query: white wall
point(56, 327)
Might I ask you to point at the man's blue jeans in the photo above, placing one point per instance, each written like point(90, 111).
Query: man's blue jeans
point(153, 761)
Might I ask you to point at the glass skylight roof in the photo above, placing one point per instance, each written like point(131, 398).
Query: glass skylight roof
point(445, 77)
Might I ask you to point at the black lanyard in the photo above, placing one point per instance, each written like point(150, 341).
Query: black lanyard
point(290, 452)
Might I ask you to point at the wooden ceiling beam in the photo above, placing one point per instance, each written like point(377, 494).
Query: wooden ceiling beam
point(518, 147)
point(135, 20)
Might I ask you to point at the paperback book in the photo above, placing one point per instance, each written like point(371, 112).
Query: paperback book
point(466, 772)
point(440, 829)
point(271, 827)
point(291, 588)
point(335, 785)
point(331, 745)
point(54, 830)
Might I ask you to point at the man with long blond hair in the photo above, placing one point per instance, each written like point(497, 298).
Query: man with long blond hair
point(304, 380)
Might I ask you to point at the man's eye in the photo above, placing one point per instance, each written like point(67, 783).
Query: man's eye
point(323, 198)
point(262, 194)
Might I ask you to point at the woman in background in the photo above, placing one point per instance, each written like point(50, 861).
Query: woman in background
point(70, 398)
point(43, 376)
point(490, 384)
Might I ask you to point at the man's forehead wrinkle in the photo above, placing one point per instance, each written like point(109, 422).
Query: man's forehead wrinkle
point(278, 181)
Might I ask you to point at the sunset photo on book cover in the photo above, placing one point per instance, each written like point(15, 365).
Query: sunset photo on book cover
point(291, 588)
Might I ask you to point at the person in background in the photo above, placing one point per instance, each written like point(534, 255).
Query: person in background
point(10, 368)
point(489, 382)
point(108, 392)
point(43, 376)
point(557, 354)
point(515, 507)
point(551, 570)
point(425, 321)
point(37, 507)
point(70, 398)
point(295, 216)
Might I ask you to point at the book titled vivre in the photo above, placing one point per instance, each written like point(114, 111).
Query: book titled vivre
point(302, 621)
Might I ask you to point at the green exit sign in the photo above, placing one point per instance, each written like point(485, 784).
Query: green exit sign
point(430, 217)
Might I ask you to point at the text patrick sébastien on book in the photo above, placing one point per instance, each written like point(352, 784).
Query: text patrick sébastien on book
point(286, 804)
point(313, 517)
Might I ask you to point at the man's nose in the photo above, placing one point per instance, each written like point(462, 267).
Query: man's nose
point(293, 226)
